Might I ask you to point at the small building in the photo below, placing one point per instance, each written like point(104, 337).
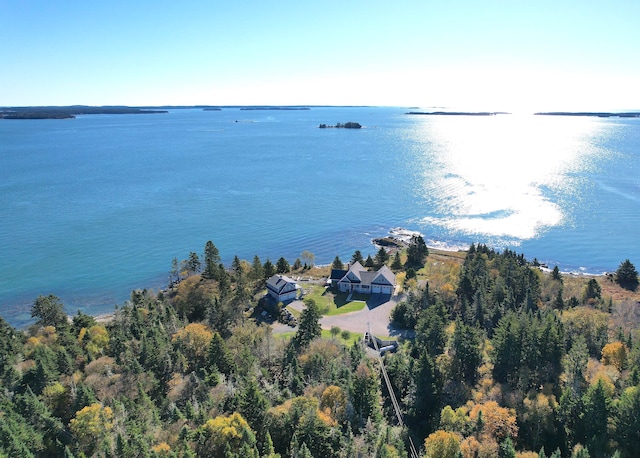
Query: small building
point(282, 288)
point(359, 280)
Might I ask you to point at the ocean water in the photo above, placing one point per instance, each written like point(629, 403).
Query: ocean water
point(99, 205)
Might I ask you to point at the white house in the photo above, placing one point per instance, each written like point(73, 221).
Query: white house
point(360, 280)
point(282, 288)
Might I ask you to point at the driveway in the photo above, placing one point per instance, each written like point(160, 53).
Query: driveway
point(375, 317)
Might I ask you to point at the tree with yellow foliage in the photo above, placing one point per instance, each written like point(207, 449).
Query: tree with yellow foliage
point(91, 425)
point(442, 444)
point(94, 340)
point(193, 341)
point(334, 402)
point(614, 354)
point(221, 435)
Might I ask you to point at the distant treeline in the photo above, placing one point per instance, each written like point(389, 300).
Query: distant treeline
point(457, 113)
point(275, 108)
point(67, 112)
point(590, 113)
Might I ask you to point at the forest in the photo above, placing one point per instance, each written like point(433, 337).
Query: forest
point(501, 358)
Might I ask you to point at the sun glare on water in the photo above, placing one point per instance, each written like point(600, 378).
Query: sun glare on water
point(495, 175)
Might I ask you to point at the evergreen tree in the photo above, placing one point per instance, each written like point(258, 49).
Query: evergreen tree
point(593, 290)
point(357, 257)
point(282, 266)
point(309, 325)
point(253, 406)
point(269, 269)
point(257, 272)
point(417, 251)
point(466, 353)
point(558, 303)
point(211, 260)
point(381, 257)
point(193, 263)
point(219, 357)
point(236, 268)
point(424, 401)
point(507, 450)
point(592, 430)
point(627, 275)
point(568, 413)
point(430, 331)
point(365, 395)
point(337, 264)
point(626, 421)
point(369, 262)
point(397, 263)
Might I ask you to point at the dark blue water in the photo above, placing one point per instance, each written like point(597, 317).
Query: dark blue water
point(94, 207)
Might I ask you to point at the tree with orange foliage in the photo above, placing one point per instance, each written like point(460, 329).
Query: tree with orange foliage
point(498, 422)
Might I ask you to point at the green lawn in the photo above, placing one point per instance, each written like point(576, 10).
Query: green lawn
point(326, 334)
point(353, 337)
point(334, 303)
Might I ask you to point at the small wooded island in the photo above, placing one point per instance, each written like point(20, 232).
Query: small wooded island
point(346, 125)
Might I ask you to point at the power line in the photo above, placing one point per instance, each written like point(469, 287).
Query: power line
point(392, 394)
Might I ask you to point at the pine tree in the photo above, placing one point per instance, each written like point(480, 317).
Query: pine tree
point(257, 272)
point(417, 251)
point(211, 260)
point(467, 353)
point(369, 262)
point(309, 325)
point(193, 262)
point(357, 257)
point(282, 266)
point(381, 257)
point(269, 269)
point(397, 263)
point(507, 450)
point(627, 275)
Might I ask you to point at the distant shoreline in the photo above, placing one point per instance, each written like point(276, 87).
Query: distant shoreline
point(457, 113)
point(596, 114)
point(69, 112)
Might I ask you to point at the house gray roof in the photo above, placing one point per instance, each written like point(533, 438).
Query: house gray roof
point(281, 284)
point(358, 274)
point(385, 275)
point(337, 274)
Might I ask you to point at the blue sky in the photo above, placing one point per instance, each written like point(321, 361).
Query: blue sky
point(511, 55)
